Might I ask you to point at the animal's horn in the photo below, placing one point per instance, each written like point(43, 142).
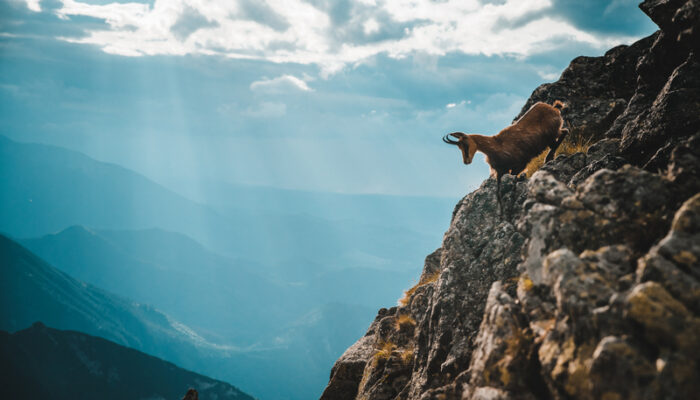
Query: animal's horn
point(447, 140)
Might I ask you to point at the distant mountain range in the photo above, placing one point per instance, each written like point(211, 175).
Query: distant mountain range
point(293, 366)
point(44, 189)
point(234, 285)
point(45, 363)
point(415, 213)
point(174, 273)
point(191, 283)
point(32, 290)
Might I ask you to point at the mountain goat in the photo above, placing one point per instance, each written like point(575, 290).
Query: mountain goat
point(511, 149)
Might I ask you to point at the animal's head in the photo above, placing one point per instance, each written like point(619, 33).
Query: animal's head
point(464, 142)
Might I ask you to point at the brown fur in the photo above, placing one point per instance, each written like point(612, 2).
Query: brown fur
point(511, 149)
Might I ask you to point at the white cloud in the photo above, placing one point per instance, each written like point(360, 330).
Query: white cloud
point(33, 5)
point(370, 26)
point(304, 34)
point(548, 76)
point(281, 84)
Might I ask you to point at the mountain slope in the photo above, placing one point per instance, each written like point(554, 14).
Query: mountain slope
point(297, 368)
point(172, 272)
point(46, 189)
point(589, 286)
point(41, 362)
point(290, 362)
point(31, 290)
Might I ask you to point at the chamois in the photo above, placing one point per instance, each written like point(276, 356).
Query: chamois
point(511, 149)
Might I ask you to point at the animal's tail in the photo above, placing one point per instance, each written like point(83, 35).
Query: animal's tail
point(559, 104)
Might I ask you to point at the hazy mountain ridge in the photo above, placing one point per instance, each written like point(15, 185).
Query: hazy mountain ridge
point(587, 288)
point(136, 265)
point(32, 290)
point(172, 272)
point(366, 209)
point(47, 189)
point(42, 362)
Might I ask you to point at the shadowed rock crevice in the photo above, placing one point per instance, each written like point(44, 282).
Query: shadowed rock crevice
point(589, 287)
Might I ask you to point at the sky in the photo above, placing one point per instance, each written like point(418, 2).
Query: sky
point(324, 95)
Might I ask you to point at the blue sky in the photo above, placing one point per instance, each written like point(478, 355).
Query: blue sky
point(341, 96)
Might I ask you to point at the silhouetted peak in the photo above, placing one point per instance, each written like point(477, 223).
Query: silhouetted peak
point(38, 325)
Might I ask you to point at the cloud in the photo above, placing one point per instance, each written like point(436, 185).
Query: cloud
point(262, 13)
point(370, 26)
point(335, 34)
point(549, 76)
point(189, 22)
point(281, 84)
point(34, 5)
point(604, 16)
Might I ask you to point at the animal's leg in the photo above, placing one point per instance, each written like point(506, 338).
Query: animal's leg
point(553, 149)
point(498, 195)
point(562, 134)
point(550, 154)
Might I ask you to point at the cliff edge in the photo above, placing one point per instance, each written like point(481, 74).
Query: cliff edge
point(589, 287)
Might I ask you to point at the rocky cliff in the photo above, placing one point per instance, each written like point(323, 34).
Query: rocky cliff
point(590, 286)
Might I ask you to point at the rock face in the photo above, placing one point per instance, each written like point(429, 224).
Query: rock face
point(589, 287)
point(191, 395)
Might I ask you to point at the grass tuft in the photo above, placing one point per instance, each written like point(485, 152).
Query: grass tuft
point(384, 352)
point(406, 355)
point(404, 321)
point(409, 293)
point(574, 143)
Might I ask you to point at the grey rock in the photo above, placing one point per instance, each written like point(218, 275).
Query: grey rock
point(602, 148)
point(684, 166)
point(675, 261)
point(674, 113)
point(544, 188)
point(686, 22)
point(503, 350)
point(609, 162)
point(564, 167)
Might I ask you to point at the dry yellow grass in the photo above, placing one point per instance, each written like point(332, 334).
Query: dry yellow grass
point(574, 143)
point(406, 355)
point(384, 352)
point(428, 279)
point(404, 321)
